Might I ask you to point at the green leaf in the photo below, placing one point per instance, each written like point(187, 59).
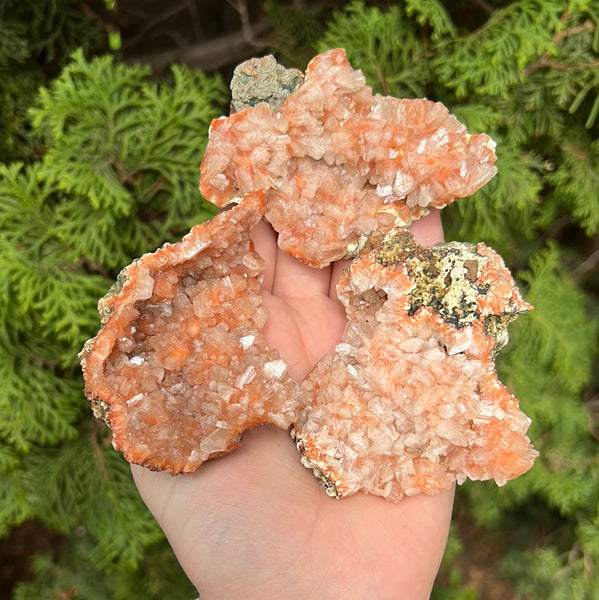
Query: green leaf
point(493, 59)
point(383, 45)
point(433, 13)
point(86, 483)
point(576, 181)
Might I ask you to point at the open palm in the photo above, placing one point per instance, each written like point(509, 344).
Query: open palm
point(256, 524)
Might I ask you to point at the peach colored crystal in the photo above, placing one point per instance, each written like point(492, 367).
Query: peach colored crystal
point(337, 161)
point(180, 368)
point(410, 401)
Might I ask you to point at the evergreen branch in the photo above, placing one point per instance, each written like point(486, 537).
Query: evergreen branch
point(9, 461)
point(47, 30)
point(546, 62)
point(433, 13)
point(114, 127)
point(15, 501)
point(576, 180)
point(54, 296)
point(25, 210)
point(95, 489)
point(572, 71)
point(74, 573)
point(491, 60)
point(567, 350)
point(37, 406)
point(13, 45)
point(383, 45)
point(509, 202)
point(587, 25)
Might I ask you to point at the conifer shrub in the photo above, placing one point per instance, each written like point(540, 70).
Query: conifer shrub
point(113, 174)
point(101, 165)
point(36, 38)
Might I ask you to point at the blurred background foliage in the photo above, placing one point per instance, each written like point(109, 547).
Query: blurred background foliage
point(104, 112)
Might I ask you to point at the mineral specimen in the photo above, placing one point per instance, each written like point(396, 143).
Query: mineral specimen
point(337, 161)
point(410, 401)
point(180, 367)
point(262, 80)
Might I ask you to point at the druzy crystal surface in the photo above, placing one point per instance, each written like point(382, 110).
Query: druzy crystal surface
point(338, 161)
point(180, 368)
point(410, 401)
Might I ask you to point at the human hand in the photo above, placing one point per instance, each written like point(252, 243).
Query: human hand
point(256, 524)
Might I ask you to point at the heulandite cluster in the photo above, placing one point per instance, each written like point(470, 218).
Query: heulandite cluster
point(410, 401)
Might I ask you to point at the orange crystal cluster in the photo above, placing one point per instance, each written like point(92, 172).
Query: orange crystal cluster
point(338, 161)
point(410, 401)
point(180, 368)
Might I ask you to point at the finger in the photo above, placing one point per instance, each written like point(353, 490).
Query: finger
point(428, 231)
point(337, 268)
point(294, 279)
point(264, 238)
point(156, 488)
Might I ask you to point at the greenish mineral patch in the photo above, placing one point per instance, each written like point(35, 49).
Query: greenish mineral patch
point(496, 326)
point(328, 485)
point(100, 410)
point(262, 80)
point(446, 275)
point(104, 308)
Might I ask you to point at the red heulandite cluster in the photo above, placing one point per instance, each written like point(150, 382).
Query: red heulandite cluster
point(180, 368)
point(410, 401)
point(337, 161)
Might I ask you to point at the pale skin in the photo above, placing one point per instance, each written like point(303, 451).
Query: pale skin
point(256, 524)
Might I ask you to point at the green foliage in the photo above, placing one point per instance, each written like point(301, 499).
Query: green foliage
point(575, 182)
point(511, 39)
point(546, 573)
point(384, 45)
point(130, 148)
point(101, 196)
point(36, 37)
point(116, 176)
point(49, 29)
point(450, 586)
point(433, 14)
point(85, 482)
point(101, 165)
point(76, 576)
